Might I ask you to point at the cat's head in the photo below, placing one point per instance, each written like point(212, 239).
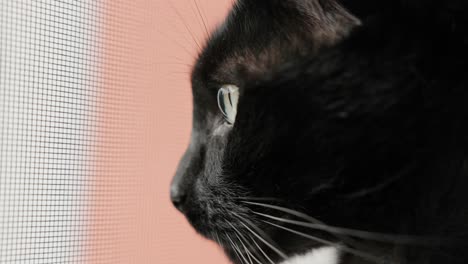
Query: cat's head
point(268, 127)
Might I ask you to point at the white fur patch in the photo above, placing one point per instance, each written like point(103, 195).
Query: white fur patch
point(324, 255)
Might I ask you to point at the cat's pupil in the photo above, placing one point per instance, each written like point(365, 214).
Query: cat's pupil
point(228, 97)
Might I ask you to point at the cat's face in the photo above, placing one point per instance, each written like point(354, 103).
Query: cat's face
point(256, 142)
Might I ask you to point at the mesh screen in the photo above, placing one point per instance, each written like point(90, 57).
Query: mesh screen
point(66, 117)
point(48, 114)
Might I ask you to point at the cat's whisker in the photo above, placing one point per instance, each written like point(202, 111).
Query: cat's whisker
point(298, 214)
point(319, 225)
point(243, 245)
point(237, 250)
point(216, 237)
point(286, 210)
point(179, 59)
point(261, 250)
point(339, 246)
point(344, 239)
point(176, 64)
point(246, 241)
point(346, 231)
point(382, 185)
point(256, 260)
point(274, 248)
point(247, 198)
point(185, 25)
point(247, 251)
point(202, 18)
point(258, 231)
point(177, 43)
point(253, 257)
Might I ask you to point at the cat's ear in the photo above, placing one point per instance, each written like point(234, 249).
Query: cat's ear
point(325, 20)
point(391, 9)
point(260, 36)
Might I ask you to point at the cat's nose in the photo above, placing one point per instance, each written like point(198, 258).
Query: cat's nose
point(178, 197)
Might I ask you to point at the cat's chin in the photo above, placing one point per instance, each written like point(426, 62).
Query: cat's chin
point(315, 255)
point(241, 235)
point(323, 255)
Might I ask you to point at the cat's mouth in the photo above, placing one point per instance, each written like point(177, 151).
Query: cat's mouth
point(241, 234)
point(211, 214)
point(235, 228)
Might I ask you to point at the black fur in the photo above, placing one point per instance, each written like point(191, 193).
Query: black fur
point(353, 112)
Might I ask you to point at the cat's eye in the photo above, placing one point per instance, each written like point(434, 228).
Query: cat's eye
point(228, 97)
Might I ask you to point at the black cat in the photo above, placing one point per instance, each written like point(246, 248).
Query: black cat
point(333, 130)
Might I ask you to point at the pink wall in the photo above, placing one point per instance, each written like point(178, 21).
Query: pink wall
point(148, 48)
point(176, 50)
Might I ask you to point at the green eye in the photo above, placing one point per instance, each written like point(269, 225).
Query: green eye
point(228, 96)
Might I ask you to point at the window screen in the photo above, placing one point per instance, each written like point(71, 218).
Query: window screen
point(48, 117)
point(68, 122)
